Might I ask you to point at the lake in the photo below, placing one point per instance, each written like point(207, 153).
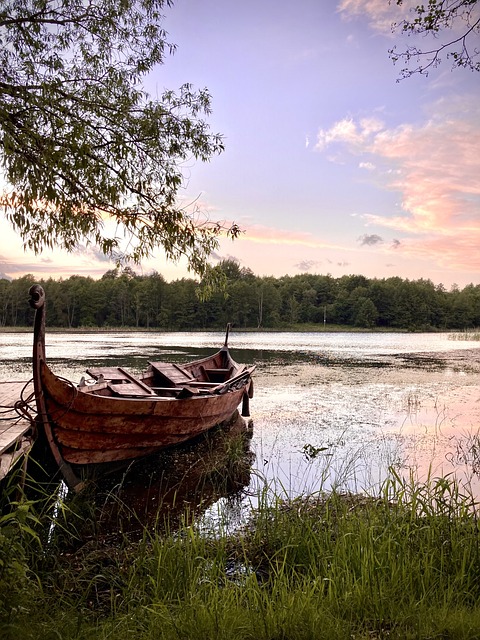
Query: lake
point(330, 409)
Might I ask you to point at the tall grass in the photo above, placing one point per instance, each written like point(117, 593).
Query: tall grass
point(404, 563)
point(466, 334)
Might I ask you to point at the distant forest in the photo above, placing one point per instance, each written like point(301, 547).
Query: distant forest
point(126, 299)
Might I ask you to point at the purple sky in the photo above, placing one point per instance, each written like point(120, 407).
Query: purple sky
point(331, 165)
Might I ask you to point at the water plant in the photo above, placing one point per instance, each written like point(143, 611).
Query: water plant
point(403, 563)
point(466, 334)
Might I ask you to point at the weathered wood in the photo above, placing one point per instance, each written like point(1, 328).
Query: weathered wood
point(16, 433)
point(9, 459)
point(120, 382)
point(171, 372)
point(11, 434)
point(108, 373)
point(124, 416)
point(129, 390)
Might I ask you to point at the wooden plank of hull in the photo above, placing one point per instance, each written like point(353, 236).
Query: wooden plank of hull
point(141, 425)
point(104, 441)
point(115, 432)
point(98, 457)
point(96, 448)
point(66, 401)
point(160, 434)
point(88, 456)
point(90, 447)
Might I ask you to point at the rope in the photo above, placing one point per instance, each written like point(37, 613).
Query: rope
point(63, 412)
point(24, 409)
point(21, 410)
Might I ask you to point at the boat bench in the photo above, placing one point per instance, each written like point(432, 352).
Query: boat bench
point(173, 374)
point(120, 382)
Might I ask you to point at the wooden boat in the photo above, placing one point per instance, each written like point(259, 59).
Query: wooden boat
point(116, 416)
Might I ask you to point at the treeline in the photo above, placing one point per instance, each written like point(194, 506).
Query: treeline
point(125, 299)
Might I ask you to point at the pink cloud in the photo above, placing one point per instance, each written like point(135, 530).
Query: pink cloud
point(439, 172)
point(379, 13)
point(435, 167)
point(452, 253)
point(271, 235)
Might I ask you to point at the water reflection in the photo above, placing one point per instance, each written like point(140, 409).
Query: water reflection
point(367, 401)
point(180, 482)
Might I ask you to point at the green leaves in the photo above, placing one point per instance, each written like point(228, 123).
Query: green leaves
point(86, 153)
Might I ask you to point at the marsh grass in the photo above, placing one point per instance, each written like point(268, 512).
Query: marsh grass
point(466, 334)
point(403, 563)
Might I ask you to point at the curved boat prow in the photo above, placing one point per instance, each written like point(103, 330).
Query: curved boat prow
point(37, 296)
point(225, 346)
point(37, 302)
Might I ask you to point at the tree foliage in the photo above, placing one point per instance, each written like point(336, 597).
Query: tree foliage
point(88, 155)
point(125, 299)
point(454, 25)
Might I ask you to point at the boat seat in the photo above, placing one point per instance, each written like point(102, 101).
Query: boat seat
point(120, 382)
point(129, 390)
point(111, 374)
point(172, 373)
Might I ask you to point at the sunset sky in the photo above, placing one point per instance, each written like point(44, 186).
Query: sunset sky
point(331, 165)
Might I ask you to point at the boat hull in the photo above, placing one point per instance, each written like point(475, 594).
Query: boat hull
point(91, 429)
point(118, 416)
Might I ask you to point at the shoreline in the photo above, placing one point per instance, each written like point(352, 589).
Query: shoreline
point(292, 329)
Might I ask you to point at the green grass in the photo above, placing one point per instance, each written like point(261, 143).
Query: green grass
point(402, 564)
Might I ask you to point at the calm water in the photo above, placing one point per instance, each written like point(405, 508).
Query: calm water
point(337, 408)
point(83, 347)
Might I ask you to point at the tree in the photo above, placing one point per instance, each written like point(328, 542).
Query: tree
point(88, 156)
point(365, 313)
point(460, 19)
point(5, 286)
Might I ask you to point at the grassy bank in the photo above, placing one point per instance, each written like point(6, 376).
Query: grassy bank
point(284, 328)
point(403, 564)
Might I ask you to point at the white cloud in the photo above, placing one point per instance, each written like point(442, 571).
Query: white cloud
point(369, 166)
point(347, 131)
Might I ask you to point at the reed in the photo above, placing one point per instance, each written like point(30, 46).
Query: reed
point(403, 563)
point(466, 334)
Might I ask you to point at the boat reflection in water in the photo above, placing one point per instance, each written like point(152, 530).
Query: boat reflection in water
point(176, 485)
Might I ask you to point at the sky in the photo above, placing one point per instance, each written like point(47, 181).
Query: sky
point(331, 165)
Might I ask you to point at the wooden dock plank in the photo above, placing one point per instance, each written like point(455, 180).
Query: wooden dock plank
point(13, 433)
point(16, 436)
point(8, 459)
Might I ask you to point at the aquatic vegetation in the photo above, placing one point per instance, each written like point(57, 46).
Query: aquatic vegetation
point(401, 563)
point(466, 334)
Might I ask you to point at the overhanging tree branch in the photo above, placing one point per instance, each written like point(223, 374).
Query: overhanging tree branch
point(81, 141)
point(438, 19)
